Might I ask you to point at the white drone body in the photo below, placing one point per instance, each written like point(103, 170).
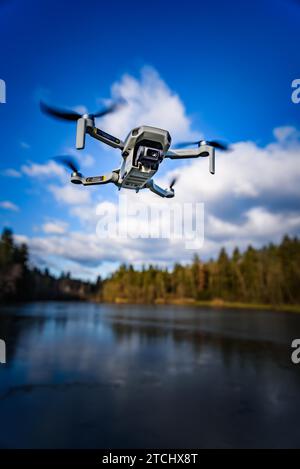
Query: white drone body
point(143, 151)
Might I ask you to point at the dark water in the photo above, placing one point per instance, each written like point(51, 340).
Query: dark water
point(85, 375)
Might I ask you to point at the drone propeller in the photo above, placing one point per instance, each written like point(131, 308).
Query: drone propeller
point(68, 162)
point(173, 182)
point(83, 120)
point(213, 143)
point(73, 116)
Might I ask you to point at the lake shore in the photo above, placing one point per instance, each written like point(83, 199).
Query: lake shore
point(219, 304)
point(212, 304)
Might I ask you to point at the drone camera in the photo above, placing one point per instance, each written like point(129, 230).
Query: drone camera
point(149, 157)
point(153, 154)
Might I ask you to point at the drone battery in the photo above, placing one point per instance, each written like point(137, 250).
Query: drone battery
point(135, 178)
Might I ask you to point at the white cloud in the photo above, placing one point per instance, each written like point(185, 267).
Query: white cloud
point(49, 169)
point(85, 213)
point(258, 223)
point(55, 227)
point(87, 249)
point(248, 171)
point(84, 159)
point(285, 133)
point(13, 173)
point(70, 194)
point(7, 205)
point(150, 102)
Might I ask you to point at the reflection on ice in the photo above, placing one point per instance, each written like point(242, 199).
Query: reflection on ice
point(146, 376)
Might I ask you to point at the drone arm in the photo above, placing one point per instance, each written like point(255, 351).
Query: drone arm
point(169, 193)
point(95, 180)
point(104, 137)
point(201, 151)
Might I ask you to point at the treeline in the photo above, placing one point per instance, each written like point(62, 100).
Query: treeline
point(270, 275)
point(18, 282)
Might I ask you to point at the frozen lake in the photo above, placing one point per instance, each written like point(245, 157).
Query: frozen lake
point(81, 375)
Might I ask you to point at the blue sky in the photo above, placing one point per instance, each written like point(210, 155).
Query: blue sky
point(229, 67)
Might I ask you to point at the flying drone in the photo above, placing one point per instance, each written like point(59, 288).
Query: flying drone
point(143, 150)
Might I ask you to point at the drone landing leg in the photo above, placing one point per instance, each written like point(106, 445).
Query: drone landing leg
point(168, 193)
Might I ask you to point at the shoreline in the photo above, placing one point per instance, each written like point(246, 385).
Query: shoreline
point(213, 304)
